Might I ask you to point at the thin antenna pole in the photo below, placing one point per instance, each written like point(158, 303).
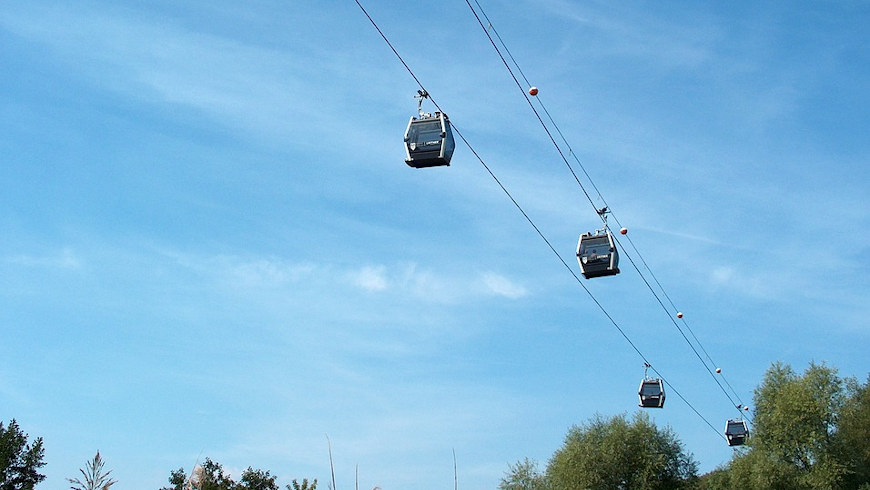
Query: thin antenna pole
point(455, 474)
point(189, 478)
point(331, 467)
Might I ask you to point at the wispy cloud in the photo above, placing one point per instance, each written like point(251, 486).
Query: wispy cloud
point(399, 279)
point(423, 283)
point(680, 234)
point(668, 43)
point(66, 259)
point(262, 90)
point(755, 285)
point(370, 278)
point(502, 286)
point(267, 272)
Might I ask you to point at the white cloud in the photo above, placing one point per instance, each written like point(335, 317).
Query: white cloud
point(768, 285)
point(502, 286)
point(426, 284)
point(277, 273)
point(249, 272)
point(422, 283)
point(729, 278)
point(268, 272)
point(371, 278)
point(263, 91)
point(404, 279)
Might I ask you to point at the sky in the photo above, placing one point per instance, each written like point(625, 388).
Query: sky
point(210, 245)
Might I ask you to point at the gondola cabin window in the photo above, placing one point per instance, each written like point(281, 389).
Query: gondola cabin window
point(425, 134)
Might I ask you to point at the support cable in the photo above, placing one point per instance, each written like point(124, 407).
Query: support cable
point(535, 227)
point(601, 198)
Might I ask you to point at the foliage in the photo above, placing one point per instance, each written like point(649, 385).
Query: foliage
point(304, 486)
point(853, 435)
point(257, 480)
point(95, 479)
point(178, 480)
point(810, 431)
point(614, 453)
point(19, 460)
point(211, 476)
point(617, 453)
point(523, 475)
point(207, 476)
point(718, 479)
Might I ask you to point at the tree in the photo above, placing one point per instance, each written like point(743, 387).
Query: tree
point(207, 476)
point(617, 454)
point(611, 453)
point(794, 442)
point(811, 430)
point(19, 460)
point(178, 480)
point(718, 479)
point(304, 486)
point(523, 475)
point(853, 435)
point(95, 479)
point(257, 480)
point(211, 476)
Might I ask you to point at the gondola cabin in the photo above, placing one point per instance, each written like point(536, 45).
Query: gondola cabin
point(428, 141)
point(597, 254)
point(651, 393)
point(736, 432)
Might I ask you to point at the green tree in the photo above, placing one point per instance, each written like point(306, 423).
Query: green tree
point(257, 480)
point(718, 479)
point(211, 476)
point(94, 477)
point(811, 431)
point(614, 453)
point(207, 476)
point(794, 442)
point(853, 435)
point(177, 480)
point(523, 475)
point(303, 486)
point(19, 460)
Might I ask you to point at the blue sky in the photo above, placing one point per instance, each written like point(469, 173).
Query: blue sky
point(212, 247)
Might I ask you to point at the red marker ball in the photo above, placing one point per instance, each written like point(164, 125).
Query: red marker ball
point(623, 230)
point(718, 370)
point(680, 315)
point(533, 91)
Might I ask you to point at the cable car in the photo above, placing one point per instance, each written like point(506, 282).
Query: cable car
point(428, 139)
point(597, 255)
point(736, 432)
point(596, 252)
point(651, 393)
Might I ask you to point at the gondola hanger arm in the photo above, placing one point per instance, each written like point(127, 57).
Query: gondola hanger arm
point(421, 94)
